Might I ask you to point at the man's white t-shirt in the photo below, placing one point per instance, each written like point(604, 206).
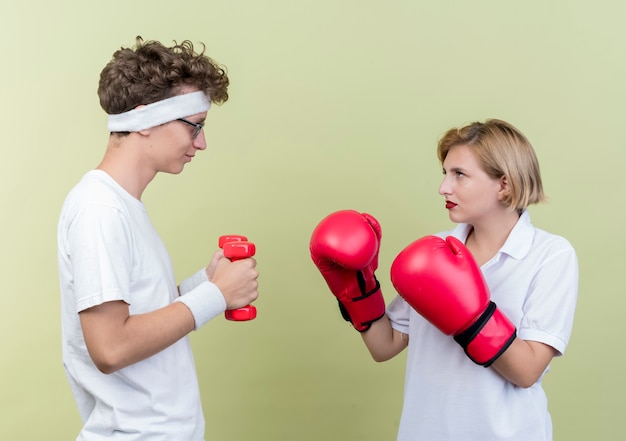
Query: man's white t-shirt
point(108, 250)
point(533, 279)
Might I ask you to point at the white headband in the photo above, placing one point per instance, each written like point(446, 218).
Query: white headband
point(160, 112)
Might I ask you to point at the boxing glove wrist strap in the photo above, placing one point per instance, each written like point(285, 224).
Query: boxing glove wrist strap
point(363, 288)
point(465, 337)
point(364, 310)
point(488, 337)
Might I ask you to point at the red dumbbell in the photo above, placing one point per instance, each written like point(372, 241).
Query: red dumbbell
point(236, 248)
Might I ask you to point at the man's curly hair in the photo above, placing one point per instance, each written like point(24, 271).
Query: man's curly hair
point(151, 72)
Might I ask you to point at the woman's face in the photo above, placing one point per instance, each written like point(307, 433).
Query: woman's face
point(471, 195)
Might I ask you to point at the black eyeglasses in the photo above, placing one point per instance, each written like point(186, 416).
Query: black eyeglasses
point(197, 126)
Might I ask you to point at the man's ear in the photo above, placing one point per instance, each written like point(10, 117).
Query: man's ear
point(144, 132)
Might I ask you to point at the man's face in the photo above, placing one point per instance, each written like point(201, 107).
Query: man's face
point(173, 144)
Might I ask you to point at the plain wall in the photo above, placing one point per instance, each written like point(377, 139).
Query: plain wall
point(334, 104)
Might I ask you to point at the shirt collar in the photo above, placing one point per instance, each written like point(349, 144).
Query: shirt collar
point(518, 243)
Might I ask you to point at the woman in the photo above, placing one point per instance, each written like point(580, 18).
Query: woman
point(495, 283)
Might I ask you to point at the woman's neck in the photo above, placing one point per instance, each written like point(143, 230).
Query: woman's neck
point(486, 239)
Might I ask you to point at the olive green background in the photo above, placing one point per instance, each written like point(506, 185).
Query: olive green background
point(334, 104)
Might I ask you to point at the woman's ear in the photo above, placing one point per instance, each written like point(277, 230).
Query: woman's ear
point(505, 189)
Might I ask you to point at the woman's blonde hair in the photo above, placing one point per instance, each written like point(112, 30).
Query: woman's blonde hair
point(501, 150)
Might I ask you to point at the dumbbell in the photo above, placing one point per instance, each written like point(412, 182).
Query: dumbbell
point(236, 248)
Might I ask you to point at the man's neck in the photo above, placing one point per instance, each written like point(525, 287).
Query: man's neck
point(122, 161)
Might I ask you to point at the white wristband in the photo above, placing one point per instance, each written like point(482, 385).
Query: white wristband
point(191, 282)
point(205, 302)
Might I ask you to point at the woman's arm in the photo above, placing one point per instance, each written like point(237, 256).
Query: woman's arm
point(383, 341)
point(524, 362)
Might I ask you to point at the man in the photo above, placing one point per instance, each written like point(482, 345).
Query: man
point(125, 323)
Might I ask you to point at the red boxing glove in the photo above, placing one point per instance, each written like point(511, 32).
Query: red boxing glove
point(441, 281)
point(344, 247)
